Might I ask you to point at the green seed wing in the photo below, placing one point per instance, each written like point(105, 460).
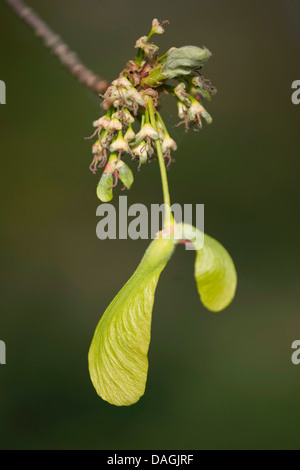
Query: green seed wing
point(118, 361)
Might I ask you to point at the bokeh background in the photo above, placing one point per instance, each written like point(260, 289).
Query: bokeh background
point(216, 381)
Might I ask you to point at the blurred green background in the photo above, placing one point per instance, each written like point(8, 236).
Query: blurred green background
point(216, 381)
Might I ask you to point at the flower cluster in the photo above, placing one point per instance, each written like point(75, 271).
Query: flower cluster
point(132, 124)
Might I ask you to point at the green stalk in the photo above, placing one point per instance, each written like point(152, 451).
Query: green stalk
point(169, 220)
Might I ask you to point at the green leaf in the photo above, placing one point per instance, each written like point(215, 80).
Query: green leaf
point(184, 60)
point(118, 362)
point(215, 275)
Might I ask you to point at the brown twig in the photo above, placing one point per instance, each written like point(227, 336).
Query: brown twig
point(55, 44)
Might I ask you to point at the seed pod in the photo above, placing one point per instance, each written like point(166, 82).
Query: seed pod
point(168, 143)
point(133, 95)
point(157, 27)
point(181, 93)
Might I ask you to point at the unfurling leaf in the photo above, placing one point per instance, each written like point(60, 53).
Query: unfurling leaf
point(215, 275)
point(118, 362)
point(104, 188)
point(184, 60)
